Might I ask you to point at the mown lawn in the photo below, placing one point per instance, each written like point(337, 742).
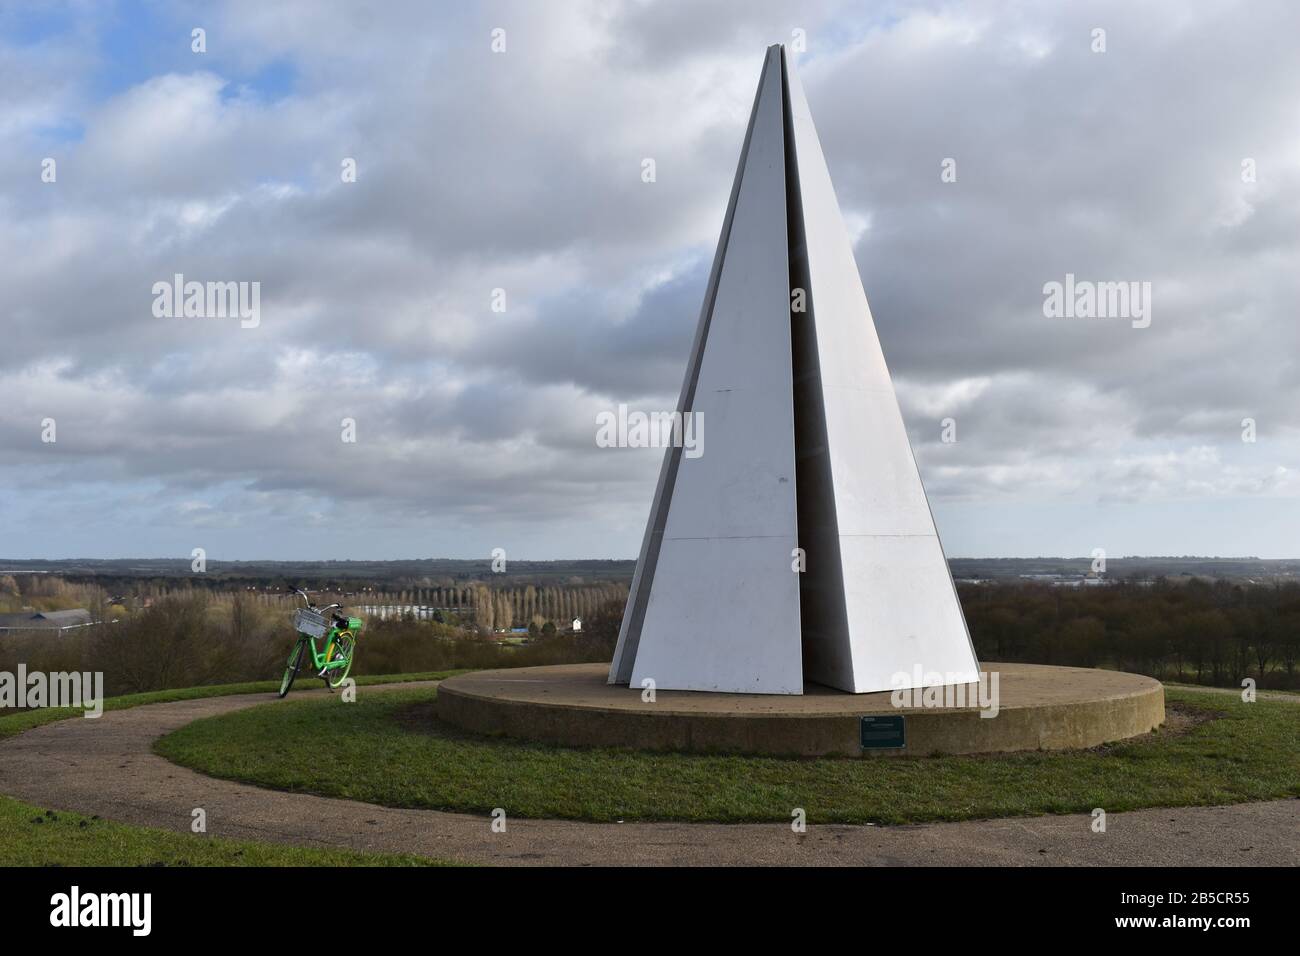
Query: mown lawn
point(388, 749)
point(30, 836)
point(16, 723)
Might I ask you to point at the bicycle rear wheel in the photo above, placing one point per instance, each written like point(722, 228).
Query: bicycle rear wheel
point(345, 645)
point(291, 671)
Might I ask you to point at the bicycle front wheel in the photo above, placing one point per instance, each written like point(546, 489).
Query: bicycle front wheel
point(345, 645)
point(291, 671)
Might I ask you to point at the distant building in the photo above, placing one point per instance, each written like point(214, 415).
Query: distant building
point(577, 624)
point(421, 612)
point(58, 621)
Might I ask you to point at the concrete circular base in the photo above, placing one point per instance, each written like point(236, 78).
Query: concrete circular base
point(1037, 708)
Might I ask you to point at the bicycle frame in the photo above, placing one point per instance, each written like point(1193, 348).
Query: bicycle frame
point(338, 634)
point(322, 658)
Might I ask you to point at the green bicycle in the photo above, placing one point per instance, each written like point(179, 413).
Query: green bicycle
point(313, 626)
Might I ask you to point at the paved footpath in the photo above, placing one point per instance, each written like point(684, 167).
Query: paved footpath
point(106, 767)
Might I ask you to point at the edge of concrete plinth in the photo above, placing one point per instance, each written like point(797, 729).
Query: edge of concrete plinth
point(572, 705)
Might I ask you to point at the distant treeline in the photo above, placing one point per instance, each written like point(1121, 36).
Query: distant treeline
point(1244, 570)
point(327, 575)
point(1193, 630)
point(1207, 632)
point(194, 638)
point(494, 604)
point(427, 572)
point(42, 592)
point(489, 606)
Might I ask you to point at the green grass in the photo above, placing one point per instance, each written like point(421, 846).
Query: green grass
point(30, 836)
point(16, 723)
point(378, 753)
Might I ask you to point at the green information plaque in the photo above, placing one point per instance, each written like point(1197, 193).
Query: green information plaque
point(883, 733)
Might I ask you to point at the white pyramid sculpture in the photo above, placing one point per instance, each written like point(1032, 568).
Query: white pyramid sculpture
point(804, 448)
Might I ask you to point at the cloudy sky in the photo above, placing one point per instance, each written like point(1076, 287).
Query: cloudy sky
point(521, 170)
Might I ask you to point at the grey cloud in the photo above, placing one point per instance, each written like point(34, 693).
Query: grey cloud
point(521, 171)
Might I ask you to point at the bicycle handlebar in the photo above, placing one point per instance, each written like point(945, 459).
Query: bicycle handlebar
point(306, 597)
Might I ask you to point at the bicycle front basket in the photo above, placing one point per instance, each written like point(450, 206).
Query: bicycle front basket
point(310, 623)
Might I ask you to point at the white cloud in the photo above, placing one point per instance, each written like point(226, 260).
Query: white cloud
point(521, 171)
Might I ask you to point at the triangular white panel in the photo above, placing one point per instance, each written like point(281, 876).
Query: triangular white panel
point(803, 447)
point(722, 602)
point(901, 606)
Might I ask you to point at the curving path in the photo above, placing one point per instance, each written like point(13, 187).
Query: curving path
point(106, 767)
